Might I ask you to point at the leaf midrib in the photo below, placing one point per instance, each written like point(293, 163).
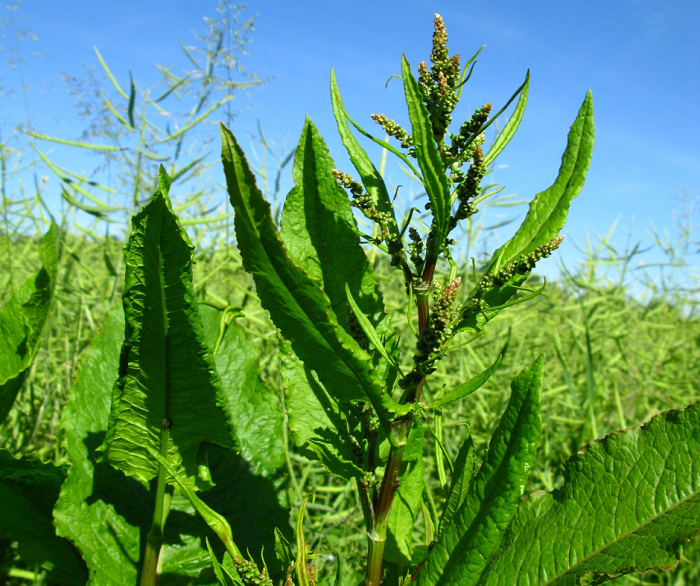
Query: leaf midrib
point(482, 514)
point(621, 538)
point(303, 272)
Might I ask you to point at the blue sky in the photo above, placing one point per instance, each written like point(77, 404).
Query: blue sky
point(640, 58)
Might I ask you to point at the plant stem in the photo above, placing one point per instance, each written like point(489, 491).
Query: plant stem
point(401, 429)
point(377, 537)
point(154, 541)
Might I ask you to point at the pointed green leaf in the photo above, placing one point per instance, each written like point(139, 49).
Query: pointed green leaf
point(464, 470)
point(252, 403)
point(545, 218)
point(166, 372)
point(431, 165)
point(28, 491)
point(627, 503)
point(467, 388)
point(548, 211)
point(283, 549)
point(320, 232)
point(296, 303)
point(407, 500)
point(511, 126)
point(368, 328)
point(22, 320)
point(466, 545)
point(317, 424)
point(371, 178)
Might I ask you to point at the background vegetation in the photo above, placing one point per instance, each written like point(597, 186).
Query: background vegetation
point(620, 344)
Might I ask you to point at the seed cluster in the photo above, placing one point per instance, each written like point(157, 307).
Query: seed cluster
point(468, 188)
point(522, 266)
point(415, 248)
point(249, 573)
point(355, 329)
point(435, 334)
point(397, 131)
point(364, 202)
point(440, 84)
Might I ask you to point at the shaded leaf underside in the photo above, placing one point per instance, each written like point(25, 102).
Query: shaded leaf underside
point(166, 368)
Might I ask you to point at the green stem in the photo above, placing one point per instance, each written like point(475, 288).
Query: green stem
point(390, 484)
point(154, 541)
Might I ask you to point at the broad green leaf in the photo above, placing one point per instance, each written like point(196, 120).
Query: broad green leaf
point(467, 388)
point(548, 211)
point(320, 232)
point(107, 514)
point(296, 302)
point(28, 491)
point(431, 165)
point(252, 403)
point(511, 126)
point(464, 470)
point(99, 509)
point(465, 546)
point(22, 320)
point(166, 372)
point(627, 503)
point(317, 424)
point(371, 178)
point(407, 500)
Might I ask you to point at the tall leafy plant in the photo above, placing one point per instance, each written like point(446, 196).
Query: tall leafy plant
point(351, 406)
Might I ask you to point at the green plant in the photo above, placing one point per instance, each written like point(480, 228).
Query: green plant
point(178, 445)
point(316, 283)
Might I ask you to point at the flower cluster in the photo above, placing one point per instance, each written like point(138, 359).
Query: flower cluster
point(415, 247)
point(440, 84)
point(362, 200)
point(366, 204)
point(397, 131)
point(249, 573)
point(468, 188)
point(435, 334)
point(522, 266)
point(310, 576)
